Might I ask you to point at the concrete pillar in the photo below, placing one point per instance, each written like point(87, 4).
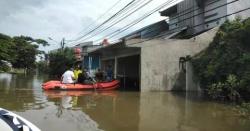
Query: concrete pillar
point(191, 83)
point(115, 68)
point(100, 66)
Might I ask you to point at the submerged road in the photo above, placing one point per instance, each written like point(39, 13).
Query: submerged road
point(114, 111)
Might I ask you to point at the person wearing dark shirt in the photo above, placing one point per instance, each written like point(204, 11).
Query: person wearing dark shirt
point(109, 72)
point(99, 75)
point(81, 78)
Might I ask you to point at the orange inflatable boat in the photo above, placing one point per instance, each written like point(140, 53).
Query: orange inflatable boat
point(101, 86)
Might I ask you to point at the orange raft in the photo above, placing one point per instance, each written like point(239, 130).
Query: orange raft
point(101, 86)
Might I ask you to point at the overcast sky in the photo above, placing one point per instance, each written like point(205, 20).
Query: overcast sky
point(63, 18)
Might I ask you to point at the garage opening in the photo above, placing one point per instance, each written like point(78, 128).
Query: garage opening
point(128, 72)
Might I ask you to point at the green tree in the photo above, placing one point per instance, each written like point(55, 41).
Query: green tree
point(227, 61)
point(21, 51)
point(6, 51)
point(60, 61)
point(26, 50)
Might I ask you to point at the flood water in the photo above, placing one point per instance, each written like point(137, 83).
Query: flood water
point(114, 111)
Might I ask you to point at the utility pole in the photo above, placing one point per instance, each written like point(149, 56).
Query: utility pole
point(62, 44)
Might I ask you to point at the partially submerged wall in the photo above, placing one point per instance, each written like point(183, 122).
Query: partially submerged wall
point(160, 60)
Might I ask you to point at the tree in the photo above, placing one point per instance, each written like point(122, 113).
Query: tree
point(21, 51)
point(227, 57)
point(6, 52)
point(60, 61)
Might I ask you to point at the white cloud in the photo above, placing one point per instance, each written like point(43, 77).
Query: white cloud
point(62, 18)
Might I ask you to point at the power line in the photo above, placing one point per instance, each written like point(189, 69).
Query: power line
point(140, 7)
point(118, 17)
point(140, 19)
point(184, 12)
point(194, 26)
point(100, 17)
point(180, 16)
point(191, 17)
point(113, 16)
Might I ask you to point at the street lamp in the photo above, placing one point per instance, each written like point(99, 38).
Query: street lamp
point(62, 43)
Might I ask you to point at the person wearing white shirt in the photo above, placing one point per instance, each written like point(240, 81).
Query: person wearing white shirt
point(68, 77)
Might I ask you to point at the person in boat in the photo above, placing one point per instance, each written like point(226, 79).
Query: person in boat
point(77, 71)
point(84, 77)
point(81, 78)
point(99, 75)
point(68, 77)
point(109, 73)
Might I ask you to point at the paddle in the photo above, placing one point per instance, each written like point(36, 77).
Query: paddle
point(93, 82)
point(92, 79)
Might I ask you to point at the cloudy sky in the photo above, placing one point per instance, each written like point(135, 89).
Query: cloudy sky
point(64, 18)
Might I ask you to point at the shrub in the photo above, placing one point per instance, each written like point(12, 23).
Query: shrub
point(4, 68)
point(229, 90)
point(224, 67)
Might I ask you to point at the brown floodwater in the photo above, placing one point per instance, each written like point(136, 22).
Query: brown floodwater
point(114, 111)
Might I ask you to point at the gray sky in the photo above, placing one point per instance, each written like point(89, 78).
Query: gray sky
point(62, 18)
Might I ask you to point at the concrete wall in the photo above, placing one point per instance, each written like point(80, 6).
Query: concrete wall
point(160, 60)
point(207, 16)
point(213, 11)
point(184, 15)
point(237, 6)
point(186, 19)
point(191, 81)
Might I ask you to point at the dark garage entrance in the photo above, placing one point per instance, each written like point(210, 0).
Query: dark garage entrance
point(128, 72)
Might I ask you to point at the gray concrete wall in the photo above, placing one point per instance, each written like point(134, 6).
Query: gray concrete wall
point(239, 5)
point(160, 59)
point(185, 16)
point(184, 7)
point(191, 81)
point(211, 15)
point(213, 11)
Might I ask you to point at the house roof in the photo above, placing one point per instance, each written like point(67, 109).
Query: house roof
point(90, 43)
point(201, 2)
point(107, 47)
point(136, 33)
point(169, 11)
point(173, 9)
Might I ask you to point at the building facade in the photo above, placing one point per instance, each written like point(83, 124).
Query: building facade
point(198, 16)
point(150, 59)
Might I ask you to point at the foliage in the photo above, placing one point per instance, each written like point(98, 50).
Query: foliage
point(26, 53)
point(42, 66)
point(60, 61)
point(6, 51)
point(243, 110)
point(4, 67)
point(227, 90)
point(224, 67)
point(21, 51)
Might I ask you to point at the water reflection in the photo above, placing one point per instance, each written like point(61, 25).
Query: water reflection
point(161, 111)
point(78, 99)
point(86, 102)
point(5, 80)
point(113, 110)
